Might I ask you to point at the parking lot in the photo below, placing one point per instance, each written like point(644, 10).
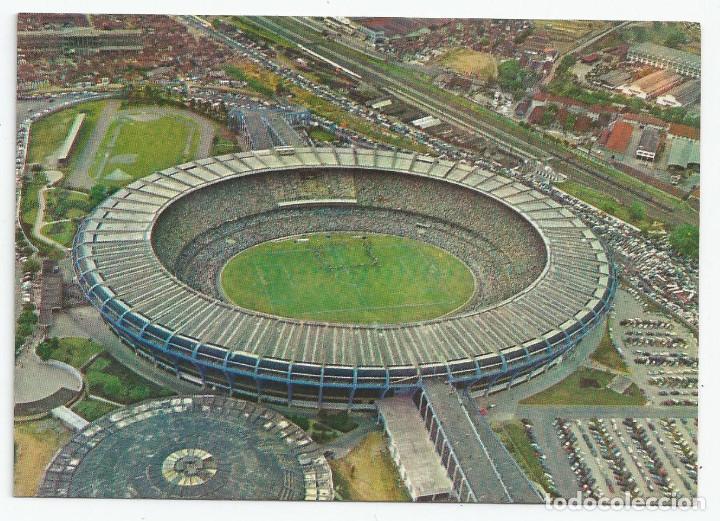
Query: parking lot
point(644, 458)
point(661, 352)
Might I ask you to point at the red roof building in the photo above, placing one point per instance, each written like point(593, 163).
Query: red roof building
point(678, 129)
point(590, 58)
point(619, 137)
point(536, 115)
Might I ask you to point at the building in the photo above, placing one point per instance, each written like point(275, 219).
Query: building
point(83, 40)
point(678, 129)
point(681, 95)
point(682, 62)
point(648, 146)
point(522, 107)
point(68, 145)
point(412, 451)
point(536, 116)
point(619, 137)
point(653, 85)
point(262, 128)
point(374, 36)
point(379, 103)
point(613, 79)
point(684, 153)
point(590, 58)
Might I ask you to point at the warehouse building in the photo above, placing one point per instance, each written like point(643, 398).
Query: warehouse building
point(684, 153)
point(653, 85)
point(648, 145)
point(682, 62)
point(613, 79)
point(681, 95)
point(619, 137)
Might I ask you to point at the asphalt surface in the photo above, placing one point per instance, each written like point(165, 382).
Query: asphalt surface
point(86, 322)
point(36, 379)
point(80, 177)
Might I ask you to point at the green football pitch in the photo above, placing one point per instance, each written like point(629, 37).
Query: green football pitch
point(346, 277)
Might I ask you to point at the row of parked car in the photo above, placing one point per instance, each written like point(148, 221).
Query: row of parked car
point(549, 484)
point(568, 440)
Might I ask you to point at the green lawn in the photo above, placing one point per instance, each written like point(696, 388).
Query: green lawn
point(62, 232)
point(74, 351)
point(224, 146)
point(111, 380)
point(132, 149)
point(512, 434)
point(367, 473)
point(61, 203)
point(343, 277)
point(91, 409)
point(607, 355)
point(603, 201)
point(319, 134)
point(29, 202)
point(586, 387)
point(48, 133)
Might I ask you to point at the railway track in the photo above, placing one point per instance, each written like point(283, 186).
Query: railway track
point(427, 100)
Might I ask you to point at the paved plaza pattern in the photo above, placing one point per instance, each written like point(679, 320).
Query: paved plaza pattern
point(208, 447)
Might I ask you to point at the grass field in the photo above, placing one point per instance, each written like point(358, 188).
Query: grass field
point(134, 148)
point(111, 380)
point(473, 63)
point(319, 134)
point(344, 277)
point(48, 133)
point(586, 387)
point(513, 435)
point(368, 473)
point(607, 355)
point(74, 351)
point(35, 444)
point(62, 232)
point(61, 203)
point(603, 201)
point(91, 409)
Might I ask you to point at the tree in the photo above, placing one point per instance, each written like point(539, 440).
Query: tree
point(686, 240)
point(675, 39)
point(46, 348)
point(100, 192)
point(567, 61)
point(637, 211)
point(513, 78)
point(31, 265)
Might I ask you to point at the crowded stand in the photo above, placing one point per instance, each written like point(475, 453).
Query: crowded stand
point(122, 252)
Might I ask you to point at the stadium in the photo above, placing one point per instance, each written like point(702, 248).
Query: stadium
point(529, 280)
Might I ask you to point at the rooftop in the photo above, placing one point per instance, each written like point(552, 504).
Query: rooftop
point(666, 53)
point(620, 137)
point(416, 453)
point(649, 140)
point(491, 472)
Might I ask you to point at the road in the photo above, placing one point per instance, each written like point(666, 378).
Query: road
point(547, 79)
point(550, 412)
point(53, 177)
point(80, 178)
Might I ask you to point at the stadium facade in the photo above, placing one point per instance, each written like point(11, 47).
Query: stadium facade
point(148, 258)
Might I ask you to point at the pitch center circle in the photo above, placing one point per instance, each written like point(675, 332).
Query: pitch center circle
point(348, 277)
